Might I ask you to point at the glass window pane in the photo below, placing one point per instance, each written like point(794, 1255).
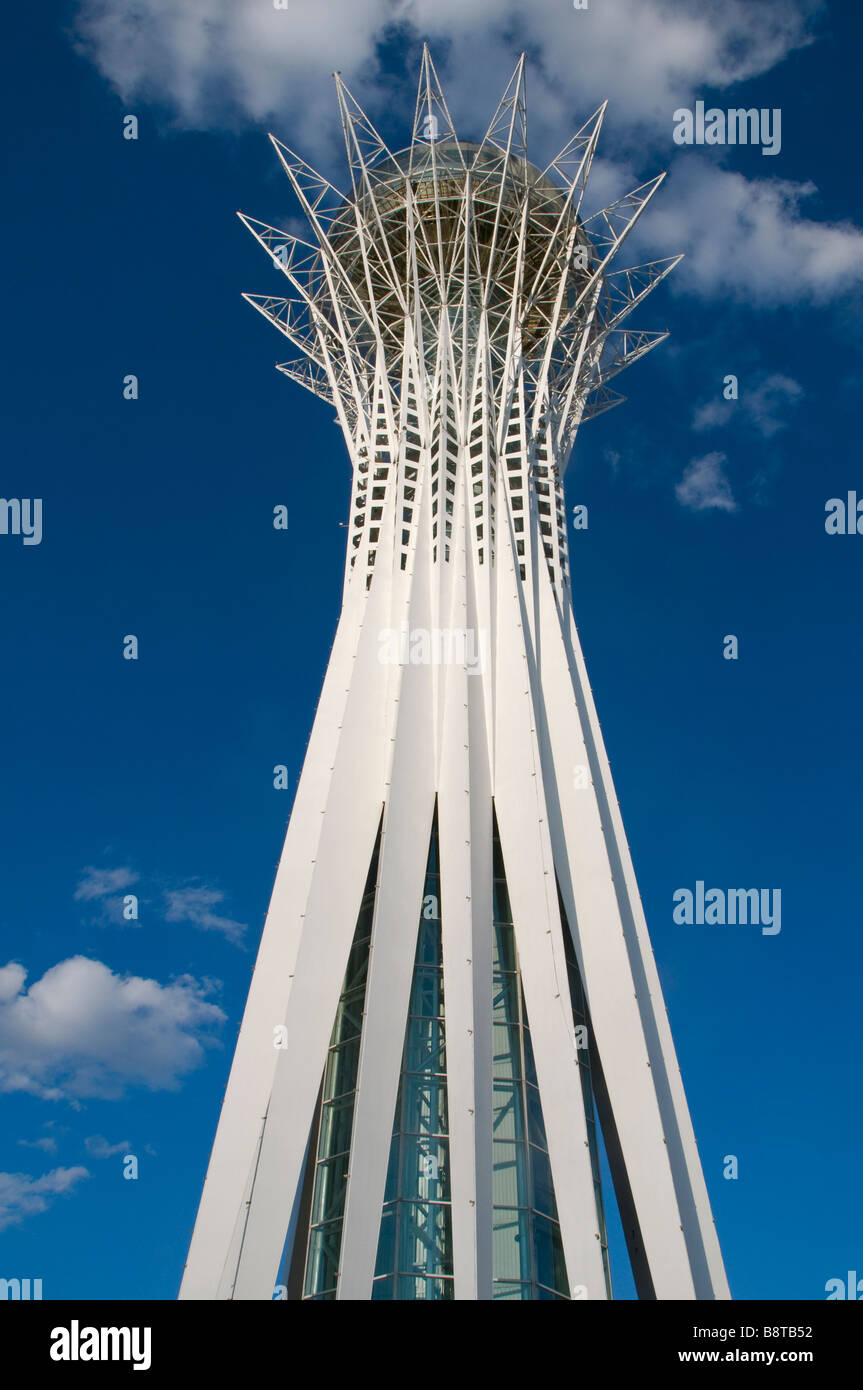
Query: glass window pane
point(505, 997)
point(506, 1044)
point(511, 1245)
point(391, 1191)
point(424, 1109)
point(507, 1110)
point(330, 1183)
point(543, 1188)
point(427, 992)
point(425, 1169)
point(336, 1124)
point(358, 964)
point(428, 940)
point(424, 1048)
point(535, 1123)
point(509, 1179)
point(341, 1076)
point(529, 1066)
point(386, 1243)
point(424, 1238)
point(323, 1259)
point(349, 1019)
point(550, 1264)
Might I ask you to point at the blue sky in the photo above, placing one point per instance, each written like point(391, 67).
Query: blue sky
point(155, 777)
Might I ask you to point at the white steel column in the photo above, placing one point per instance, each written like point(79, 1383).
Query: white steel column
point(528, 863)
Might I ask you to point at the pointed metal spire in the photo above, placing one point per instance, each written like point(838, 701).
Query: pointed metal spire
point(290, 253)
point(608, 228)
point(290, 316)
point(623, 346)
point(582, 148)
point(569, 163)
point(626, 289)
point(507, 133)
point(313, 190)
point(599, 401)
point(432, 121)
point(508, 127)
point(364, 145)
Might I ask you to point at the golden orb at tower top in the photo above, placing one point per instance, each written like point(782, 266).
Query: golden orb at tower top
point(453, 184)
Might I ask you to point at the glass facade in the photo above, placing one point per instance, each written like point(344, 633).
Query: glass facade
point(527, 1252)
point(414, 1255)
point(414, 1258)
point(581, 1024)
point(528, 1260)
point(337, 1109)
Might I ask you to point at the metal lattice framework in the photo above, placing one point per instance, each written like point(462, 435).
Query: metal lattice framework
point(463, 320)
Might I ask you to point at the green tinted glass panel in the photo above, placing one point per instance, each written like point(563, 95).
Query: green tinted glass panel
point(414, 1253)
point(527, 1251)
point(335, 1119)
point(580, 1019)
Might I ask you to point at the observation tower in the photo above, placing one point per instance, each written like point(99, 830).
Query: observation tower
point(455, 1001)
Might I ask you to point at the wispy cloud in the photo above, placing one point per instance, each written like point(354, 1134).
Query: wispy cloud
point(101, 883)
point(762, 407)
point(195, 905)
point(83, 1031)
point(22, 1196)
point(48, 1143)
point(612, 458)
point(705, 487)
point(106, 887)
point(98, 1147)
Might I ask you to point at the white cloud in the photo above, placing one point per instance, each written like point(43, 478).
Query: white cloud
point(704, 486)
point(12, 977)
point(22, 1196)
point(100, 883)
point(195, 905)
point(206, 58)
point(211, 60)
point(747, 239)
point(223, 62)
point(761, 407)
point(98, 1147)
point(647, 56)
point(83, 1031)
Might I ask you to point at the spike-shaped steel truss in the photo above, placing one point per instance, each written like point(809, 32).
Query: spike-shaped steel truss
point(455, 981)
